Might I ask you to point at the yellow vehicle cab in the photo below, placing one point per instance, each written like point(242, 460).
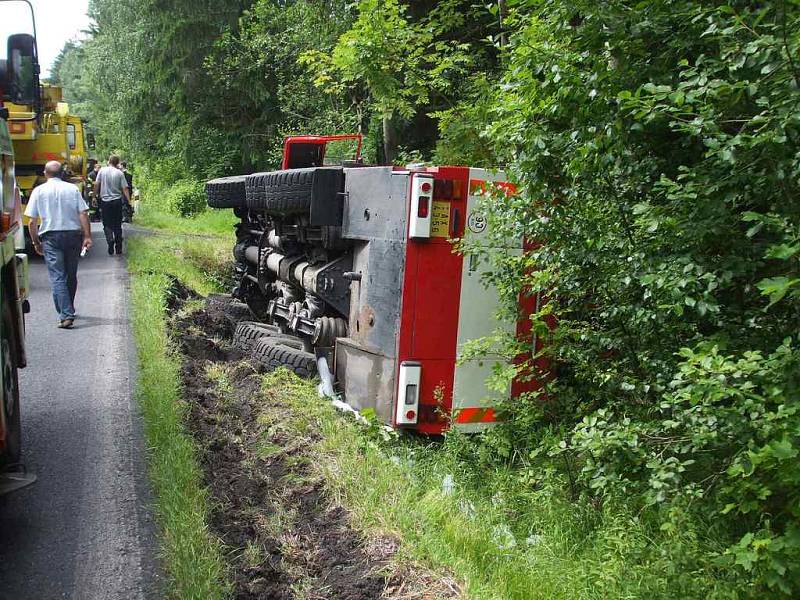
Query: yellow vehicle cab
point(54, 135)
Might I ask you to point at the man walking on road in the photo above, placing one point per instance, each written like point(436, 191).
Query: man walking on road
point(112, 187)
point(64, 231)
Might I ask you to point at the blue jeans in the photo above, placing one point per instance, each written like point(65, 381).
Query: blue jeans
point(62, 251)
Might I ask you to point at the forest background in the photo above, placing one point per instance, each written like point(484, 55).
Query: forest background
point(656, 145)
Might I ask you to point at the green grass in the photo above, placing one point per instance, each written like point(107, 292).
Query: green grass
point(503, 540)
point(201, 264)
point(212, 222)
point(191, 554)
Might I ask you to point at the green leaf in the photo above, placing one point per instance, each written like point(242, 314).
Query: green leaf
point(782, 251)
point(677, 98)
point(776, 287)
point(783, 449)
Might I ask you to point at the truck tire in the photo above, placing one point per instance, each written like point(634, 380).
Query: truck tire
point(290, 192)
point(273, 353)
point(249, 332)
point(226, 192)
point(10, 399)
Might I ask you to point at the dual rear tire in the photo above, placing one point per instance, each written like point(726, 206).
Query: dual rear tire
point(285, 193)
point(271, 348)
point(226, 192)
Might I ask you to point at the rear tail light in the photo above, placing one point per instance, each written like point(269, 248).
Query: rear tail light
point(407, 408)
point(444, 189)
point(448, 189)
point(411, 394)
point(423, 207)
point(419, 215)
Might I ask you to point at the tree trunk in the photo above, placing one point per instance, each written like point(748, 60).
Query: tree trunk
point(389, 141)
point(502, 11)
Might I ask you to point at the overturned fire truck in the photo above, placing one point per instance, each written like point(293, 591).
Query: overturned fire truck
point(356, 264)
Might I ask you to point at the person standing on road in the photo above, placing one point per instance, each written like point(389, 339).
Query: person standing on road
point(127, 209)
point(123, 166)
point(92, 197)
point(64, 232)
point(112, 188)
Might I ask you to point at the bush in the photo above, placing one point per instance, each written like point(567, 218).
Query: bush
point(185, 198)
point(657, 151)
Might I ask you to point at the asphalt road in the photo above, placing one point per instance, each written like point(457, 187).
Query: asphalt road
point(85, 529)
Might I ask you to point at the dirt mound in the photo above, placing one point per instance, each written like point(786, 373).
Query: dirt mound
point(220, 314)
point(284, 537)
point(177, 294)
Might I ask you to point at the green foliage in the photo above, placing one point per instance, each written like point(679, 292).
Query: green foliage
point(265, 92)
point(195, 90)
point(444, 50)
point(204, 89)
point(366, 54)
point(185, 198)
point(657, 153)
point(67, 71)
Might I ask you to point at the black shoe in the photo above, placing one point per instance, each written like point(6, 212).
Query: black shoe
point(110, 249)
point(119, 250)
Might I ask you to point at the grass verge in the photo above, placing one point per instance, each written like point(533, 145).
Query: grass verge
point(210, 222)
point(191, 555)
point(499, 539)
point(201, 264)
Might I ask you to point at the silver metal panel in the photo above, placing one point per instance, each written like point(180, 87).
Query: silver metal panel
point(375, 204)
point(477, 314)
point(368, 378)
point(375, 219)
point(375, 300)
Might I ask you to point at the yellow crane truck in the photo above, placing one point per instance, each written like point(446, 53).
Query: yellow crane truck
point(42, 131)
point(19, 74)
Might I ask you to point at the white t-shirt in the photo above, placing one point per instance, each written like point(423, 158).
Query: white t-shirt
point(58, 204)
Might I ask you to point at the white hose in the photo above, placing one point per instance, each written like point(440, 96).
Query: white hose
point(325, 390)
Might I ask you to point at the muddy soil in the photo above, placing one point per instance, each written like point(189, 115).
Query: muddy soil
point(284, 537)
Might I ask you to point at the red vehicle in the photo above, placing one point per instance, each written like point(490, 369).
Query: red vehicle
point(356, 264)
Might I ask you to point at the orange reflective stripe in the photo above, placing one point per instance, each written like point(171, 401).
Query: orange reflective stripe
point(475, 415)
point(478, 186)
